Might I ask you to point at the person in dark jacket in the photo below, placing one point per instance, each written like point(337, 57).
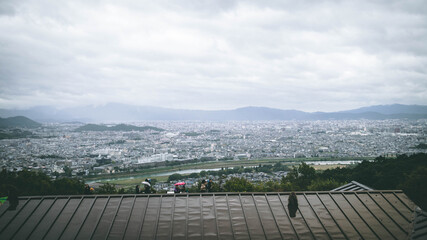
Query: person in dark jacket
point(292, 204)
point(209, 185)
point(147, 189)
point(137, 189)
point(87, 189)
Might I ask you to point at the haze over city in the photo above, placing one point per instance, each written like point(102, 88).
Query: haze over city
point(211, 55)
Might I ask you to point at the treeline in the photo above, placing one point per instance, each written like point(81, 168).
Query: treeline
point(27, 183)
point(407, 173)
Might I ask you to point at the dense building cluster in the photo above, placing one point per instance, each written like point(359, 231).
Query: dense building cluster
point(55, 147)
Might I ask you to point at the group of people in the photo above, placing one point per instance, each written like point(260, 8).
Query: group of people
point(88, 189)
point(206, 186)
point(147, 187)
point(180, 189)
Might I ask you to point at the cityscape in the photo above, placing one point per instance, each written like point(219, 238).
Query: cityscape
point(57, 145)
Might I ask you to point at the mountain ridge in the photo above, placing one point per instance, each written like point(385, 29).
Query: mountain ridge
point(117, 112)
point(18, 122)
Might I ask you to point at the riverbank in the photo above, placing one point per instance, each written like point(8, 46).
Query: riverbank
point(161, 173)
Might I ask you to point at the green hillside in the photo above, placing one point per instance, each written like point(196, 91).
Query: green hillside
point(18, 122)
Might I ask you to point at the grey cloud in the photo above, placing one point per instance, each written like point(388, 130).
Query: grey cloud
point(308, 55)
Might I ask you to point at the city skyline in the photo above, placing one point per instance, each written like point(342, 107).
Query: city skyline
point(310, 56)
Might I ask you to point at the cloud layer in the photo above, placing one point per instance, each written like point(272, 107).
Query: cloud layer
point(307, 55)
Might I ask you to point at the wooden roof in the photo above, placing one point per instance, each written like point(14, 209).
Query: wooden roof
point(321, 215)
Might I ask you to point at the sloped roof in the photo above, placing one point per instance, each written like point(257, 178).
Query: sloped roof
point(420, 224)
point(321, 215)
point(353, 186)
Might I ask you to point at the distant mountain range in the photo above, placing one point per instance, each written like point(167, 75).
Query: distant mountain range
point(116, 112)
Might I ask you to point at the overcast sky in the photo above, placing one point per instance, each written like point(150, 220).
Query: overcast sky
point(305, 55)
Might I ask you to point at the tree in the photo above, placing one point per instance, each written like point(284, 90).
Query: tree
point(269, 186)
point(238, 185)
point(324, 185)
point(299, 178)
point(107, 188)
point(175, 177)
point(66, 186)
point(203, 173)
point(67, 171)
point(415, 187)
point(193, 175)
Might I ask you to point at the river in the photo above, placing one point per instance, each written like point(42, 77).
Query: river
point(188, 171)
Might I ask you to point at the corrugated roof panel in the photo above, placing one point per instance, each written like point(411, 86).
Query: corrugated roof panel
point(267, 219)
point(179, 227)
point(256, 230)
point(3, 208)
point(20, 219)
point(195, 229)
point(64, 218)
point(8, 216)
point(237, 218)
point(370, 219)
point(150, 219)
point(164, 225)
point(135, 221)
point(209, 219)
point(301, 227)
point(34, 219)
point(420, 224)
point(405, 200)
point(382, 216)
point(121, 219)
point(103, 226)
point(311, 219)
point(79, 216)
point(281, 217)
point(94, 215)
point(391, 211)
point(341, 220)
point(352, 186)
point(49, 219)
point(399, 205)
point(321, 215)
point(353, 216)
point(223, 217)
point(324, 216)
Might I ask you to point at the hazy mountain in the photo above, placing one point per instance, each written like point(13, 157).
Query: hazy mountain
point(116, 112)
point(18, 122)
point(392, 109)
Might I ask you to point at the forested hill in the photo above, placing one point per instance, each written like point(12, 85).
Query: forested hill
point(407, 173)
point(119, 127)
point(18, 122)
